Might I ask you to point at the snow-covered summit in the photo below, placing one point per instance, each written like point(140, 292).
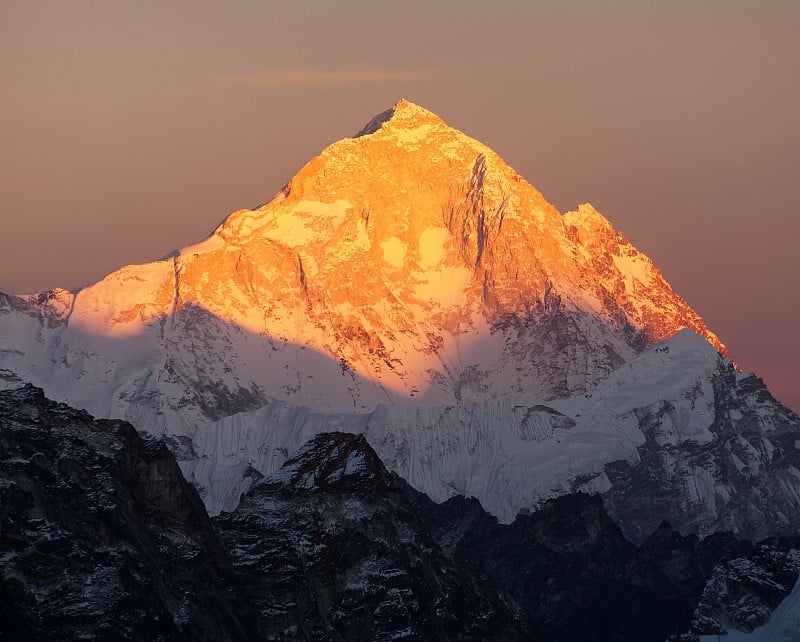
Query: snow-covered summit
point(402, 115)
point(410, 266)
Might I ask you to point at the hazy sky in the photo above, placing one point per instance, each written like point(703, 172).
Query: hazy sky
point(132, 128)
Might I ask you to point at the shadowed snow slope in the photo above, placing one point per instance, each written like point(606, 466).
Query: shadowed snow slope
point(102, 538)
point(674, 434)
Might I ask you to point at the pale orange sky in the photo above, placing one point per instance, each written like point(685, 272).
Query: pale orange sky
point(129, 129)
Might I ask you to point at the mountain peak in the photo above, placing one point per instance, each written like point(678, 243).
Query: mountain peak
point(331, 462)
point(402, 115)
point(409, 266)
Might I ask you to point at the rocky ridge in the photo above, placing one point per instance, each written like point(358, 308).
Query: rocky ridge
point(101, 538)
point(331, 549)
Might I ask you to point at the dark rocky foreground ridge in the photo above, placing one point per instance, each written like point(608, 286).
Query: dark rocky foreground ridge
point(101, 538)
point(331, 549)
point(575, 576)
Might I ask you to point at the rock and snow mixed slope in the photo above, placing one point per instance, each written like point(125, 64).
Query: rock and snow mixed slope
point(333, 546)
point(783, 625)
point(407, 266)
point(675, 434)
point(753, 596)
point(330, 548)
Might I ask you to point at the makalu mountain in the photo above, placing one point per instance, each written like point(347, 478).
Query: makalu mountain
point(408, 285)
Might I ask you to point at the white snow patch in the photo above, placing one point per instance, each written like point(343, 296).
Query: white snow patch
point(431, 246)
point(394, 251)
point(308, 221)
point(634, 269)
point(213, 242)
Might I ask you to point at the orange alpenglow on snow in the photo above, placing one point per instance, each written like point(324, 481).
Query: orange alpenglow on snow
point(407, 265)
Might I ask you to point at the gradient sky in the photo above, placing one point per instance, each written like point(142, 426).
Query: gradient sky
point(132, 128)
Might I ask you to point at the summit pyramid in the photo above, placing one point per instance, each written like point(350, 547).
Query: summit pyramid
point(409, 265)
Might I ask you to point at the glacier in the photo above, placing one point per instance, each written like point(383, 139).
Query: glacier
point(512, 455)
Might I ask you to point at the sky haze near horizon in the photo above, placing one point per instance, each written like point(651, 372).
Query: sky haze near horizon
point(130, 129)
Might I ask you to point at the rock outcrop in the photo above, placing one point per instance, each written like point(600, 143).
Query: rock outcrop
point(101, 538)
point(329, 548)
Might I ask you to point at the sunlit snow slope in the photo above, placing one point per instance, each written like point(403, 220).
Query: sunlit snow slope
point(408, 266)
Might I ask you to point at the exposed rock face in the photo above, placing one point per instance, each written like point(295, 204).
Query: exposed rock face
point(576, 577)
point(100, 535)
point(328, 548)
point(744, 591)
point(736, 480)
point(101, 538)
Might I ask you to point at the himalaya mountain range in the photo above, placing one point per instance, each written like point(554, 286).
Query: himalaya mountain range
point(409, 287)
